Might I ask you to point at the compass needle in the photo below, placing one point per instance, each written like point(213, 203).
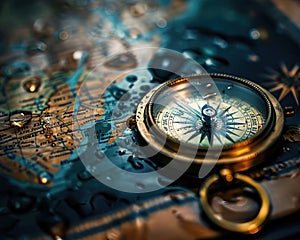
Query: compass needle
point(189, 131)
point(210, 137)
point(195, 134)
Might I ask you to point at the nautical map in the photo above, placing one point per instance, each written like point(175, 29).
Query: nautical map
point(69, 66)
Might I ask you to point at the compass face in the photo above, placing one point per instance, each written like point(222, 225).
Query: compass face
point(233, 121)
point(229, 113)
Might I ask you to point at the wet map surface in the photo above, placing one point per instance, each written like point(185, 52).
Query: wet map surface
point(71, 65)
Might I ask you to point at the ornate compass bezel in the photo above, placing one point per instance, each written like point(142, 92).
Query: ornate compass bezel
point(239, 156)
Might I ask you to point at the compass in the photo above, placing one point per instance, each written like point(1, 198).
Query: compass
point(222, 119)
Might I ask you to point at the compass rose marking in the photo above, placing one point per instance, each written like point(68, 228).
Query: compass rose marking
point(224, 111)
point(193, 136)
point(233, 128)
point(189, 131)
point(235, 118)
point(232, 133)
point(234, 123)
point(231, 114)
point(229, 138)
point(218, 138)
point(285, 80)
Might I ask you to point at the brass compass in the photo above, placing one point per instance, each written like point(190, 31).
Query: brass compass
point(231, 122)
point(213, 120)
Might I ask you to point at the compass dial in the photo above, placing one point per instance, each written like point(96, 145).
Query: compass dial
point(221, 115)
point(207, 112)
point(208, 122)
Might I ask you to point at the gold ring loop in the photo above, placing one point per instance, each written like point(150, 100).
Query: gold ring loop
point(252, 226)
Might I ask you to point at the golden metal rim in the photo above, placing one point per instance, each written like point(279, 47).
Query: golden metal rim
point(250, 227)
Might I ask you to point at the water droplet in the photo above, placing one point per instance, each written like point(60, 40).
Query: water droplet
point(117, 114)
point(123, 106)
point(190, 34)
point(229, 86)
point(84, 175)
point(138, 9)
point(286, 149)
point(20, 118)
point(164, 181)
point(161, 23)
point(210, 62)
point(193, 54)
point(140, 186)
point(117, 92)
point(63, 35)
point(165, 62)
point(45, 178)
point(134, 33)
point(125, 97)
point(32, 84)
point(220, 42)
point(99, 154)
point(131, 78)
point(256, 34)
point(108, 178)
